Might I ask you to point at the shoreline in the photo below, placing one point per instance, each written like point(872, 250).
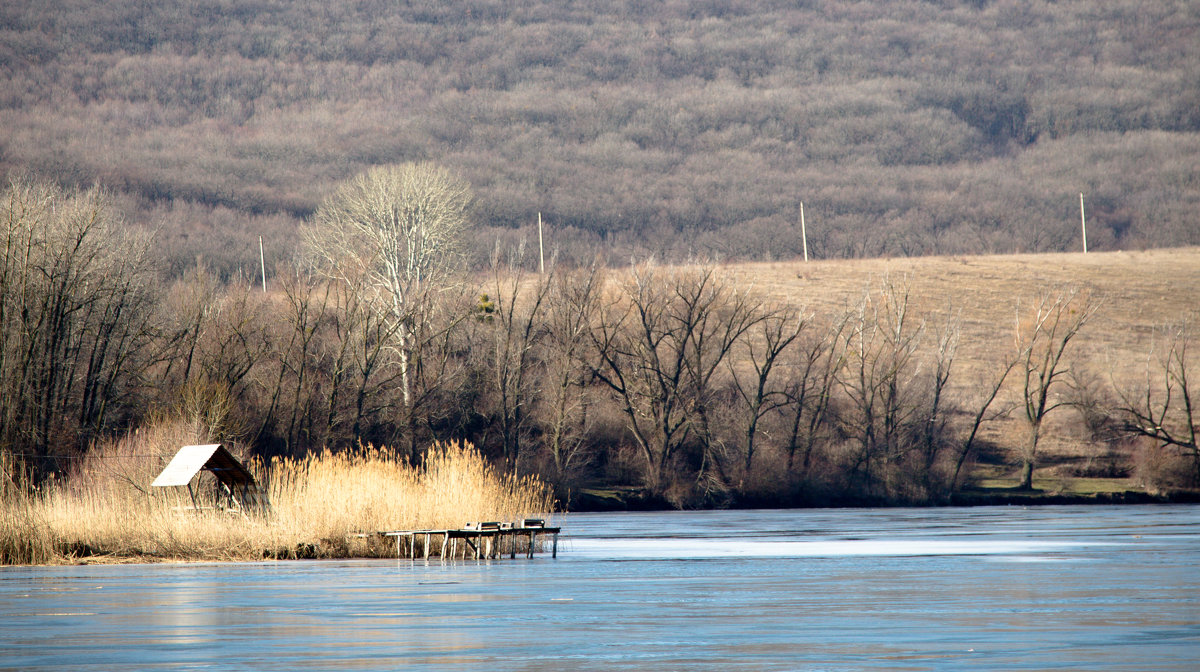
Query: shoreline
point(615, 500)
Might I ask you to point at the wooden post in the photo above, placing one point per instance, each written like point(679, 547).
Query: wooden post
point(803, 232)
point(1083, 222)
point(541, 248)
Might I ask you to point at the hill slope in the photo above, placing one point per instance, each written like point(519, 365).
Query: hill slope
point(909, 127)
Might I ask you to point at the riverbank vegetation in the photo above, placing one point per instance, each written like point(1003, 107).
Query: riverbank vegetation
point(869, 382)
point(680, 128)
point(323, 505)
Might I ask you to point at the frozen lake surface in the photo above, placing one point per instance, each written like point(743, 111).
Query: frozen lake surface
point(989, 588)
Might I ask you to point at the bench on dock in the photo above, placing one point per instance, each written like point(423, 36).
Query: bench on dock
point(484, 539)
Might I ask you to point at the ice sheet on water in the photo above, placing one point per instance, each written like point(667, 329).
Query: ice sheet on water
point(706, 548)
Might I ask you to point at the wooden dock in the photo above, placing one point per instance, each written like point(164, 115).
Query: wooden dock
point(484, 540)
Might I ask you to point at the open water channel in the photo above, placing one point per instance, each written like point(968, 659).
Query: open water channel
point(989, 588)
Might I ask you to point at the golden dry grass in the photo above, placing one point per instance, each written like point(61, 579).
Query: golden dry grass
point(1140, 290)
point(328, 496)
point(317, 505)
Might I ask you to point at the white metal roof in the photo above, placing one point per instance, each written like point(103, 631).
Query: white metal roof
point(186, 464)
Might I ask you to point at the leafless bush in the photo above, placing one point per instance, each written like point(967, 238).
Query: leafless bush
point(1164, 409)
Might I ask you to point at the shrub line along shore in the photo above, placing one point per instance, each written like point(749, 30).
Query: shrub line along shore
point(1081, 459)
point(878, 382)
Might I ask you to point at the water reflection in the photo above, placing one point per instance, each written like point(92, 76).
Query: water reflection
point(990, 588)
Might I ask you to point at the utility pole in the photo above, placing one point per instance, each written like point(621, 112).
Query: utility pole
point(803, 232)
point(1083, 222)
point(262, 261)
point(541, 248)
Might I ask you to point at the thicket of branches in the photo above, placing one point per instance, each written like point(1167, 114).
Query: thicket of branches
point(907, 127)
point(673, 379)
point(76, 317)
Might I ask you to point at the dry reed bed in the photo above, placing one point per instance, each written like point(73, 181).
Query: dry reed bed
point(317, 504)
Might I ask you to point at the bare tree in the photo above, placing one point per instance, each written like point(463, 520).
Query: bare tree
point(231, 343)
point(812, 376)
point(436, 368)
point(638, 354)
point(723, 314)
point(355, 358)
point(293, 396)
point(397, 229)
point(658, 346)
point(565, 418)
point(933, 435)
point(518, 304)
point(394, 234)
point(235, 337)
point(75, 315)
point(895, 394)
point(990, 389)
point(1165, 409)
point(753, 374)
point(879, 380)
point(1042, 338)
point(189, 303)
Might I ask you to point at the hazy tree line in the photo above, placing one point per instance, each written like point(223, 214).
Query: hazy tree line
point(683, 128)
point(673, 379)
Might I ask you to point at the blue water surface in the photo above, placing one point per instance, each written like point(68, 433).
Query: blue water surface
point(987, 588)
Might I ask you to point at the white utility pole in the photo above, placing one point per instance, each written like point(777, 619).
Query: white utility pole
point(541, 248)
point(1083, 222)
point(262, 261)
point(803, 232)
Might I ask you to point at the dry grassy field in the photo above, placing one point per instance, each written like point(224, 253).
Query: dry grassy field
point(1138, 292)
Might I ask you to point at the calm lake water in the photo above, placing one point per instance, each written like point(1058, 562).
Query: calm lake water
point(990, 588)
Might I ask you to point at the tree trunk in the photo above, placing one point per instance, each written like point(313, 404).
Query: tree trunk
point(1027, 460)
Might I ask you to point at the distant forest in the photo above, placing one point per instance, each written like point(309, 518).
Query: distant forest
point(680, 128)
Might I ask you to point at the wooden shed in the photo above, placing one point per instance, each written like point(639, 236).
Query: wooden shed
point(239, 490)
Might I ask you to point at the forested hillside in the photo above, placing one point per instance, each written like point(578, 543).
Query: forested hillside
point(680, 127)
